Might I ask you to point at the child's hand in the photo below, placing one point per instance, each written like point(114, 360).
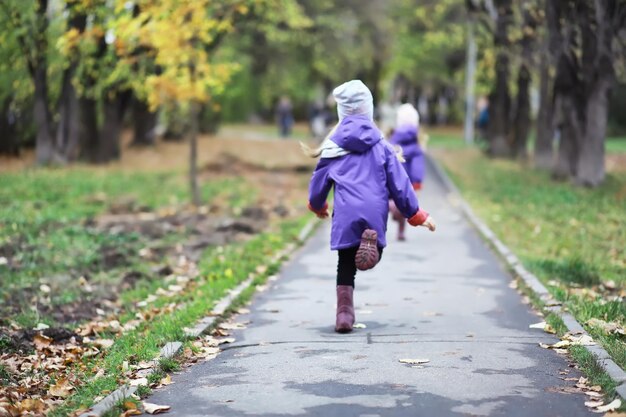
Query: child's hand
point(323, 213)
point(430, 223)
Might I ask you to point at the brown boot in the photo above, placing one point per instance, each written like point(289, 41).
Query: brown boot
point(345, 309)
point(367, 255)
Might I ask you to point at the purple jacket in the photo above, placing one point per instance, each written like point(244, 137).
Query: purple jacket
point(364, 180)
point(406, 137)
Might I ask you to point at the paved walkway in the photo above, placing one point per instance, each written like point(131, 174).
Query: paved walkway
point(440, 296)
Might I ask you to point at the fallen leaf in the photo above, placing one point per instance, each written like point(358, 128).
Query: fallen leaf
point(360, 326)
point(613, 405)
point(130, 405)
point(30, 404)
point(226, 340)
point(155, 408)
point(103, 343)
point(45, 288)
point(132, 412)
point(232, 326)
point(61, 389)
point(41, 326)
point(138, 381)
point(41, 341)
point(414, 361)
point(594, 403)
point(167, 380)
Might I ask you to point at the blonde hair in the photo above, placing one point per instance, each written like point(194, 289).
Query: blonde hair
point(316, 152)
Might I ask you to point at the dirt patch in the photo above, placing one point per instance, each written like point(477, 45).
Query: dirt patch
point(23, 340)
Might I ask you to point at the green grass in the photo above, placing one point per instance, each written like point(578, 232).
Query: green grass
point(43, 229)
point(589, 365)
point(220, 271)
point(571, 238)
point(5, 376)
point(616, 145)
point(168, 365)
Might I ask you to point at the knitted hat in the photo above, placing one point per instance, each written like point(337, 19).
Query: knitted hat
point(407, 115)
point(354, 97)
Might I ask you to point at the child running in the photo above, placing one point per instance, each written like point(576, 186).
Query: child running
point(365, 173)
point(405, 136)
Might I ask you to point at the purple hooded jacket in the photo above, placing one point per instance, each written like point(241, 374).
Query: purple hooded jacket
point(364, 181)
point(406, 137)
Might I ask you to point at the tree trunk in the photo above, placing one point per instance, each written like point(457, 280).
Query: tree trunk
point(68, 128)
point(9, 144)
point(546, 126)
point(500, 100)
point(44, 147)
point(88, 129)
point(109, 139)
point(67, 134)
point(145, 123)
point(590, 164)
point(571, 134)
point(522, 114)
point(544, 137)
point(193, 155)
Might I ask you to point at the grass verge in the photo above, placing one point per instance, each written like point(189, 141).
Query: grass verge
point(573, 239)
point(220, 270)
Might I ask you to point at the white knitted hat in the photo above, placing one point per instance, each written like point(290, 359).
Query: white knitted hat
point(353, 97)
point(407, 116)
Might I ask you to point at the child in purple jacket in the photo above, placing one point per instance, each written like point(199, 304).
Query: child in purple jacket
point(365, 173)
point(405, 136)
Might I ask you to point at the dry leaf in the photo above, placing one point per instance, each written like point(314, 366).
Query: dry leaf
point(130, 405)
point(167, 380)
point(614, 405)
point(138, 381)
point(61, 389)
point(414, 361)
point(232, 326)
point(103, 343)
point(594, 403)
point(41, 341)
point(31, 404)
point(155, 408)
point(226, 340)
point(132, 412)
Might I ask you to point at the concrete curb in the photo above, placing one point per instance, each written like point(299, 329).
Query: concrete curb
point(530, 280)
point(203, 326)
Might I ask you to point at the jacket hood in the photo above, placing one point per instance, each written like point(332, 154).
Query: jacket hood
point(356, 133)
point(405, 134)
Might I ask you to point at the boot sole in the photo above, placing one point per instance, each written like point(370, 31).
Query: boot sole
point(343, 330)
point(367, 255)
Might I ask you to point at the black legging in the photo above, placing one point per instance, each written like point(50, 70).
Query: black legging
point(346, 267)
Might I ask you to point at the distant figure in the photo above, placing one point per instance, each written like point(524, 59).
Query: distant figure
point(365, 172)
point(405, 136)
point(442, 110)
point(284, 116)
point(422, 107)
point(387, 112)
point(317, 119)
point(483, 118)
